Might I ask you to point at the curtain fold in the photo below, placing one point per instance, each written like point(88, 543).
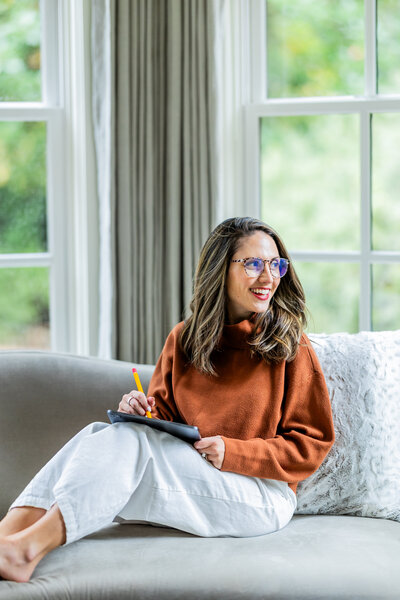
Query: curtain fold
point(157, 109)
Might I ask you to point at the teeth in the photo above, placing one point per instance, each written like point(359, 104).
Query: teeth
point(262, 292)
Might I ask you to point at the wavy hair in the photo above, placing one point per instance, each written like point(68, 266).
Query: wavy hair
point(277, 331)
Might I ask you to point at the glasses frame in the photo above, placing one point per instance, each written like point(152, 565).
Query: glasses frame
point(264, 260)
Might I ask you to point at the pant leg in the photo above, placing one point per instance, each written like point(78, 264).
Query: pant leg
point(133, 472)
point(101, 476)
point(91, 478)
point(181, 489)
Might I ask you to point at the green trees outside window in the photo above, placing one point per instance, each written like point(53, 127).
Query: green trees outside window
point(24, 292)
point(20, 51)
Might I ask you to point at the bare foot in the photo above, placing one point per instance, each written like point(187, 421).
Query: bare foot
point(14, 564)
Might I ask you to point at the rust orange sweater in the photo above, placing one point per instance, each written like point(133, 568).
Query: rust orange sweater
point(275, 420)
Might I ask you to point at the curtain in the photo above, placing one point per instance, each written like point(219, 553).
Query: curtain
point(154, 80)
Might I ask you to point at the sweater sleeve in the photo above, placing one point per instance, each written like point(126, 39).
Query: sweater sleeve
point(160, 385)
point(305, 432)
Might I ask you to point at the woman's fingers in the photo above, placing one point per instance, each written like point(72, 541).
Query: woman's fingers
point(136, 403)
point(124, 405)
point(213, 448)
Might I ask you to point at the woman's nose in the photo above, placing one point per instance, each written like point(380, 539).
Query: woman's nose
point(266, 273)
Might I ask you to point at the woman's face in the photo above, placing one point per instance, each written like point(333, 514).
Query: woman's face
point(247, 295)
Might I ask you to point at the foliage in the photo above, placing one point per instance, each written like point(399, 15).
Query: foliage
point(388, 17)
point(310, 170)
point(22, 187)
point(385, 304)
point(385, 182)
point(23, 304)
point(19, 51)
point(315, 48)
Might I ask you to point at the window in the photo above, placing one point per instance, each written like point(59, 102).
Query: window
point(25, 258)
point(47, 189)
point(323, 132)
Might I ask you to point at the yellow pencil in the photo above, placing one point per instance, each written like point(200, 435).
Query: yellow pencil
point(139, 387)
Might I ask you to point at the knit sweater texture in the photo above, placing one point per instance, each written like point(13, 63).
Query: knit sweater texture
point(275, 419)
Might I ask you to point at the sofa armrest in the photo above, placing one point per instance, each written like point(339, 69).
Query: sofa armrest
point(45, 398)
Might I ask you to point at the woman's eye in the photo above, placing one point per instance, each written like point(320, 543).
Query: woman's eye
point(253, 264)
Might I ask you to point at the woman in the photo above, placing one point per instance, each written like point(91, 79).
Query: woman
point(242, 370)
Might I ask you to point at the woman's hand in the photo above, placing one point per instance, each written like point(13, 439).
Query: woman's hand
point(136, 403)
point(214, 449)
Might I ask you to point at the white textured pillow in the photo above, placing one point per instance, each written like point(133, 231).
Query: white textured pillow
point(361, 474)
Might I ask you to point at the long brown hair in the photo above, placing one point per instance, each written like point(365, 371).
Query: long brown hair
point(277, 331)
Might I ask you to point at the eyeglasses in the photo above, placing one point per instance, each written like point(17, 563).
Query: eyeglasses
point(254, 266)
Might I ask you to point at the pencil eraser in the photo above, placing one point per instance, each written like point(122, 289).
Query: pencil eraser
point(134, 370)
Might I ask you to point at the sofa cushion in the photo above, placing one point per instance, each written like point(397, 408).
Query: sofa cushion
point(361, 474)
point(313, 557)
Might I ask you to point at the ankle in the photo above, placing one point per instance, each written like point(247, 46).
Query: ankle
point(22, 547)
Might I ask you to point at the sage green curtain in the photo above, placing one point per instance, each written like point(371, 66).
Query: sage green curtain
point(155, 121)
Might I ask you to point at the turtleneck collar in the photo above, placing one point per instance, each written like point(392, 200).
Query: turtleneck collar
point(236, 335)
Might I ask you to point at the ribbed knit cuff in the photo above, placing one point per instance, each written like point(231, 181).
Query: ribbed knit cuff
point(230, 462)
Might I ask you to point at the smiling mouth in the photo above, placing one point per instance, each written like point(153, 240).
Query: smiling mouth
point(261, 294)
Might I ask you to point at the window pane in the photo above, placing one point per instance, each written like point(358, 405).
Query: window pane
point(385, 297)
point(332, 295)
point(24, 308)
point(310, 180)
point(315, 48)
point(22, 187)
point(388, 14)
point(385, 182)
point(19, 51)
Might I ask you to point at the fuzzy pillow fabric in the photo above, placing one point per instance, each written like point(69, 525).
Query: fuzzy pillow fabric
point(361, 474)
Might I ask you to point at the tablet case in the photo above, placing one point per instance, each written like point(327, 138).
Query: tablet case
point(187, 433)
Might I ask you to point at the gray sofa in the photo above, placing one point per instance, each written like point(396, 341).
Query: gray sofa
point(46, 398)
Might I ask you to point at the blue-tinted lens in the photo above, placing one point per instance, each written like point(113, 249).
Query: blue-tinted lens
point(283, 267)
point(253, 266)
point(274, 266)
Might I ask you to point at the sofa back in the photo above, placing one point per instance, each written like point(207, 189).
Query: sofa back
point(45, 398)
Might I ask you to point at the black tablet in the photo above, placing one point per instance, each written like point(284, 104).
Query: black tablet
point(187, 433)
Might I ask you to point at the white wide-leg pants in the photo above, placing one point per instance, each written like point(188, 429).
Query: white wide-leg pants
point(128, 472)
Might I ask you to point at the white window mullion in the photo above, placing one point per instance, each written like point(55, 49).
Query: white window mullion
point(384, 257)
point(50, 63)
point(319, 106)
point(25, 111)
point(371, 89)
point(365, 222)
point(39, 259)
point(257, 23)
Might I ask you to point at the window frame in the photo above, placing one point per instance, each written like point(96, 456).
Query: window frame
point(48, 111)
point(364, 106)
point(72, 251)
